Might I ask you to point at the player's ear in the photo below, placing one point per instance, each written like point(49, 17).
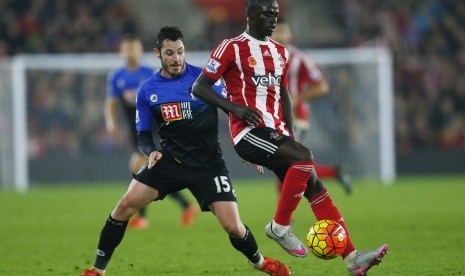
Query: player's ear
point(156, 52)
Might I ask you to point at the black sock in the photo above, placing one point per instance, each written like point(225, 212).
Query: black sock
point(181, 199)
point(110, 237)
point(247, 245)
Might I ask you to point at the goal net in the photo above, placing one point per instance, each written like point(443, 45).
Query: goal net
point(52, 127)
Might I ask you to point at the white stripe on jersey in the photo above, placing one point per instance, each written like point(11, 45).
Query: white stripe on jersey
point(261, 92)
point(220, 50)
point(260, 143)
point(239, 67)
point(279, 71)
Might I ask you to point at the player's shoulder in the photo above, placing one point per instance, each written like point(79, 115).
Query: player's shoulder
point(146, 68)
point(276, 43)
point(193, 70)
point(116, 73)
point(147, 83)
point(226, 45)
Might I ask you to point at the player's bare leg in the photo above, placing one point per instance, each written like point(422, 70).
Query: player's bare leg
point(137, 196)
point(139, 220)
point(243, 240)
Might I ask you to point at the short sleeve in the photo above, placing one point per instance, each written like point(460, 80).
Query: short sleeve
point(219, 61)
point(143, 112)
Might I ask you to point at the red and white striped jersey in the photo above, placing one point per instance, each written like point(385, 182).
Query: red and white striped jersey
point(254, 72)
point(303, 73)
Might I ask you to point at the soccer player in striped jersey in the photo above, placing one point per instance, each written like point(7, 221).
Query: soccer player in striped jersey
point(306, 82)
point(254, 69)
point(122, 88)
point(190, 157)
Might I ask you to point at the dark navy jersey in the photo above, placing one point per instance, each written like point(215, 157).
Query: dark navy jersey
point(188, 127)
point(123, 84)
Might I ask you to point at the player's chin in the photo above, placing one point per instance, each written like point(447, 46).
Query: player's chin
point(175, 72)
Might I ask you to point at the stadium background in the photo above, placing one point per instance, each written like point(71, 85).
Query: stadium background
point(427, 39)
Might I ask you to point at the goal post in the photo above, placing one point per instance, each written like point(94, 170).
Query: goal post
point(53, 130)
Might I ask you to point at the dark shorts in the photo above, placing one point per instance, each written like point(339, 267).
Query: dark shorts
point(259, 145)
point(207, 184)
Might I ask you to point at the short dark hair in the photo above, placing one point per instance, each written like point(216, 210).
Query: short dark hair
point(250, 5)
point(168, 32)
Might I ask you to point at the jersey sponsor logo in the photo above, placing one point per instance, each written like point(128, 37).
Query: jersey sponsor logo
point(266, 80)
point(176, 111)
point(153, 98)
point(212, 66)
point(266, 53)
point(171, 111)
point(252, 61)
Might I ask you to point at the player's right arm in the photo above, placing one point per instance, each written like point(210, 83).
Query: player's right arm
point(310, 74)
point(111, 106)
point(202, 88)
point(144, 128)
point(111, 112)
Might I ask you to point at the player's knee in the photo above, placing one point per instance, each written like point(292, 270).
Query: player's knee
point(302, 154)
point(235, 230)
point(313, 187)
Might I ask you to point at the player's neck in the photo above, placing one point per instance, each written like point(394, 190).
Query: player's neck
point(131, 66)
point(256, 35)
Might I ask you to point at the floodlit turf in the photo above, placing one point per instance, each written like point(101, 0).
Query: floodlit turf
point(54, 231)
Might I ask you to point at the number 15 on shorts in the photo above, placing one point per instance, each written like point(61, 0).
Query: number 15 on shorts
point(222, 184)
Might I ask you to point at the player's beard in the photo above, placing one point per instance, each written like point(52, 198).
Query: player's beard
point(172, 71)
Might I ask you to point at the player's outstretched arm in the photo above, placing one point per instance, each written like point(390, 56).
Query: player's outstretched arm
point(202, 89)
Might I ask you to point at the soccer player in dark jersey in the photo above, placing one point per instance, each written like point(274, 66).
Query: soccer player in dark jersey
point(190, 157)
point(122, 88)
point(254, 69)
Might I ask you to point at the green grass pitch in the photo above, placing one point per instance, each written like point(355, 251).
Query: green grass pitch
point(54, 230)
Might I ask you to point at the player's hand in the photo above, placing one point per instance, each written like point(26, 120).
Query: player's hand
point(153, 159)
point(258, 168)
point(248, 115)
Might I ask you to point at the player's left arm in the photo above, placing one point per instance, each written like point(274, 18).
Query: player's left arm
point(310, 74)
point(314, 91)
point(286, 106)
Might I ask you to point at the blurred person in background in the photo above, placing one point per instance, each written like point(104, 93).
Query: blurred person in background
point(254, 69)
point(306, 83)
point(190, 157)
point(122, 90)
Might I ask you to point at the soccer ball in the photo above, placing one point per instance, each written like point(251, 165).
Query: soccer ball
point(326, 239)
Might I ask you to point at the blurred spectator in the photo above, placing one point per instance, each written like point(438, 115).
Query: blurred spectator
point(55, 26)
point(427, 39)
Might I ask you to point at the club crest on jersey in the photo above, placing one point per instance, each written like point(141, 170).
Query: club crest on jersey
point(275, 136)
point(266, 80)
point(153, 98)
point(212, 66)
point(252, 61)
